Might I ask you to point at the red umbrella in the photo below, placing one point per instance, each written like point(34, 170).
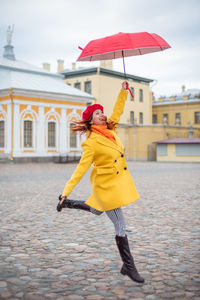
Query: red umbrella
point(122, 45)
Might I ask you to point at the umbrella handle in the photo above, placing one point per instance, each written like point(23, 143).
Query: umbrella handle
point(127, 88)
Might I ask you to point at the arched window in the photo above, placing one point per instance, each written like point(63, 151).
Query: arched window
point(73, 137)
point(51, 134)
point(52, 130)
point(28, 128)
point(28, 134)
point(2, 134)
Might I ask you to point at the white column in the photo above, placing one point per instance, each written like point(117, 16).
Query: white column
point(8, 128)
point(40, 132)
point(63, 131)
point(16, 144)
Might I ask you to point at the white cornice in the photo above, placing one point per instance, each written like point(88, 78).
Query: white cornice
point(52, 96)
point(4, 93)
point(53, 105)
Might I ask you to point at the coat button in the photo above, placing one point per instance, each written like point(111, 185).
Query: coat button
point(117, 172)
point(125, 168)
point(122, 155)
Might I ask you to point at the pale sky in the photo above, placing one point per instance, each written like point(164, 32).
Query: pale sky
point(47, 30)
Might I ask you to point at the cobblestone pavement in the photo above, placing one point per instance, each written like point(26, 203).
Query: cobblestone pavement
point(72, 255)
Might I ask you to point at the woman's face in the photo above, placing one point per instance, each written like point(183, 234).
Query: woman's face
point(98, 117)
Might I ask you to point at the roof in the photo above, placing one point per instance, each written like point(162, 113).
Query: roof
point(103, 71)
point(189, 92)
point(21, 75)
point(179, 141)
point(176, 101)
point(23, 66)
point(192, 94)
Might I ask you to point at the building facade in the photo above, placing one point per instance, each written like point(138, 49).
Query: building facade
point(181, 110)
point(104, 84)
point(178, 150)
point(37, 110)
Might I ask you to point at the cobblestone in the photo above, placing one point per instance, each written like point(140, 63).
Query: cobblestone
point(72, 255)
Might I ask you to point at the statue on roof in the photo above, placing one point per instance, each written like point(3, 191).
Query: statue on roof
point(9, 34)
point(8, 49)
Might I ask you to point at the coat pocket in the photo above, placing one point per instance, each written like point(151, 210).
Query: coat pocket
point(101, 171)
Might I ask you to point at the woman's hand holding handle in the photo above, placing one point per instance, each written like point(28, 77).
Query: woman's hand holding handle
point(125, 85)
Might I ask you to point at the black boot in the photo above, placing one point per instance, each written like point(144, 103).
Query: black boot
point(72, 204)
point(128, 267)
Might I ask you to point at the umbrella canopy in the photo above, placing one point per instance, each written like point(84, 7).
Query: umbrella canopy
point(122, 45)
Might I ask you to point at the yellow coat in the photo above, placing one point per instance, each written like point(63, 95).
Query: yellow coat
point(112, 185)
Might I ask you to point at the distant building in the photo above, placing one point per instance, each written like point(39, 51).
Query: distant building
point(36, 111)
point(179, 150)
point(104, 84)
point(181, 110)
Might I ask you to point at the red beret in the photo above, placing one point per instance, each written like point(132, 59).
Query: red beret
point(89, 111)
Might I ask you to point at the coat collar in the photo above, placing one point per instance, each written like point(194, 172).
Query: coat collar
point(103, 140)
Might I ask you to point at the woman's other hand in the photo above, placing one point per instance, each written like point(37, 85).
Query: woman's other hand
point(125, 85)
point(62, 200)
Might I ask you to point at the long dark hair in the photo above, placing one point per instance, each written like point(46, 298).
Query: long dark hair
point(84, 126)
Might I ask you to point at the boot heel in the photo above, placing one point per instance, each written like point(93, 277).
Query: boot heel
point(123, 272)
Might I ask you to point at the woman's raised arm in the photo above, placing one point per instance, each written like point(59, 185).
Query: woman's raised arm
point(119, 104)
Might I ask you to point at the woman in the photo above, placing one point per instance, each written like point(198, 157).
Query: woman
point(112, 185)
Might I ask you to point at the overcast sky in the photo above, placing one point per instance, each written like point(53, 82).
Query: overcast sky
point(47, 30)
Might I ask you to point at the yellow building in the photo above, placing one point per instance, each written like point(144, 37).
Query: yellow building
point(179, 150)
point(139, 140)
point(182, 110)
point(37, 110)
point(104, 84)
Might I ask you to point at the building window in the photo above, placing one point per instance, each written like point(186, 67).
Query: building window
point(141, 118)
point(197, 117)
point(155, 119)
point(73, 137)
point(132, 91)
point(51, 134)
point(132, 117)
point(162, 149)
point(165, 119)
point(2, 134)
point(141, 95)
point(177, 119)
point(77, 85)
point(88, 87)
point(28, 134)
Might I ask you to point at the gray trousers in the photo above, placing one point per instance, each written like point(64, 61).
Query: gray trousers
point(117, 218)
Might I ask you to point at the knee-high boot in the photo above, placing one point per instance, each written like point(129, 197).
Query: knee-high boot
point(77, 204)
point(128, 267)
